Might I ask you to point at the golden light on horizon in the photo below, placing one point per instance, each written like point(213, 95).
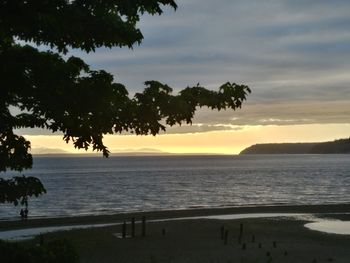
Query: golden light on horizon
point(215, 142)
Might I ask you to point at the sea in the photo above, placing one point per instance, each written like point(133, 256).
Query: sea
point(97, 186)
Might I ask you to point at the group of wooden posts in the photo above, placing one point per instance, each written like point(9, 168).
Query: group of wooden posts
point(224, 236)
point(133, 232)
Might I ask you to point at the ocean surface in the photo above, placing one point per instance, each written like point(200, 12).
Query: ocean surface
point(96, 185)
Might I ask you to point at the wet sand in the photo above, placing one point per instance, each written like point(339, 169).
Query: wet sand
point(199, 240)
point(78, 220)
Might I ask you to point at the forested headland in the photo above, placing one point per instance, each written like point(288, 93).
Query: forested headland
point(341, 146)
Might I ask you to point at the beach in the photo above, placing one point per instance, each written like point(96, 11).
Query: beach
point(170, 237)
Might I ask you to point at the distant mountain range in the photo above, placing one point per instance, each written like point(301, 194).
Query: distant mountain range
point(335, 147)
point(114, 152)
point(45, 151)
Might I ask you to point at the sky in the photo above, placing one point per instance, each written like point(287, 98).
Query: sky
point(293, 54)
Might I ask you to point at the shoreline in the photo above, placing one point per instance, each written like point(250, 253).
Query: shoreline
point(168, 214)
point(177, 240)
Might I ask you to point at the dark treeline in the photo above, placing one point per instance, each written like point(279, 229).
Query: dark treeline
point(334, 147)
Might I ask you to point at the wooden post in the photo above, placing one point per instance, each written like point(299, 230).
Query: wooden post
point(253, 238)
point(143, 226)
point(240, 234)
point(41, 239)
point(163, 231)
point(124, 230)
point(133, 227)
point(222, 230)
point(226, 237)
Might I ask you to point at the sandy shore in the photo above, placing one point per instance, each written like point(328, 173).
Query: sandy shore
point(77, 220)
point(263, 240)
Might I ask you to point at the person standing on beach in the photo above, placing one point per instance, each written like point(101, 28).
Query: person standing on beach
point(22, 214)
point(26, 212)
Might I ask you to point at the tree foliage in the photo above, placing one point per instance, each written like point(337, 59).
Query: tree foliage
point(19, 188)
point(63, 94)
point(56, 251)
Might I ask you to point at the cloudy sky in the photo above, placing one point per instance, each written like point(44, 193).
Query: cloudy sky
point(294, 54)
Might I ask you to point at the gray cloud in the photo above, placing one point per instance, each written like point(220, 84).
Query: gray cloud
point(286, 113)
point(293, 53)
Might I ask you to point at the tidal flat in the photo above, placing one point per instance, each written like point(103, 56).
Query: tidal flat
point(268, 239)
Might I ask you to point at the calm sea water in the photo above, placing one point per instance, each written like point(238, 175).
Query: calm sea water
point(95, 185)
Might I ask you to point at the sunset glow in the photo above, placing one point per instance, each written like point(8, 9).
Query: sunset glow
point(215, 142)
point(292, 54)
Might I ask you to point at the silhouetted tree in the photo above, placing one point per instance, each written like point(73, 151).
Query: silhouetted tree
point(62, 94)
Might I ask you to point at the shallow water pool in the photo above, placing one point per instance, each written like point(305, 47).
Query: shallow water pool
point(330, 226)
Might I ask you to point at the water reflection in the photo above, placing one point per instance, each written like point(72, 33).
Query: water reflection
point(331, 226)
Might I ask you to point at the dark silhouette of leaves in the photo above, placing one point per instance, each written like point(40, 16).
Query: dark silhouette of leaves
point(64, 95)
point(19, 188)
